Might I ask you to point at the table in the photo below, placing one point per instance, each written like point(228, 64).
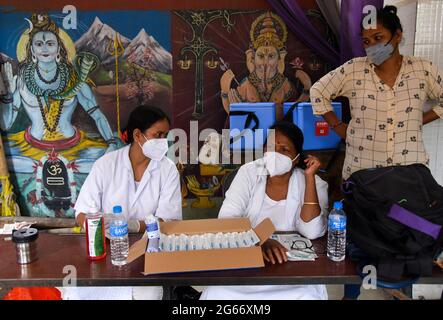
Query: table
point(55, 252)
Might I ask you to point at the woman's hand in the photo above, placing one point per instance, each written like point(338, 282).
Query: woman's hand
point(341, 130)
point(312, 165)
point(335, 123)
point(274, 251)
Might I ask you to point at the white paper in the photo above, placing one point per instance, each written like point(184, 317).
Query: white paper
point(7, 228)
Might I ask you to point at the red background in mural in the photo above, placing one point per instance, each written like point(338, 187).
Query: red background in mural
point(231, 47)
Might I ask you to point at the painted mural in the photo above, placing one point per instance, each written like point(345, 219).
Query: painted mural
point(232, 56)
point(69, 93)
point(69, 90)
point(237, 55)
point(265, 61)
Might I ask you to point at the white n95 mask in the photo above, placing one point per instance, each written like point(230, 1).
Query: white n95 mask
point(277, 163)
point(155, 149)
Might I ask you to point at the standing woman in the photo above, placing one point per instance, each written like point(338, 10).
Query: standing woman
point(140, 179)
point(282, 186)
point(387, 92)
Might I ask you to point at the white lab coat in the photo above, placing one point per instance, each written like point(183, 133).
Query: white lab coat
point(110, 183)
point(245, 199)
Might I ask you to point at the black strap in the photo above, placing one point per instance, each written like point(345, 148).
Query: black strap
point(289, 116)
point(250, 116)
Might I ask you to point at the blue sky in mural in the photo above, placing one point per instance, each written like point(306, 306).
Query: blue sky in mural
point(127, 23)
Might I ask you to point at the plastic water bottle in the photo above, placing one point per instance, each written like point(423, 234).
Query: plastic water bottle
point(153, 232)
point(118, 231)
point(336, 249)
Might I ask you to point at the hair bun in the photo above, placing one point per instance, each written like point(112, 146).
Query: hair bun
point(390, 9)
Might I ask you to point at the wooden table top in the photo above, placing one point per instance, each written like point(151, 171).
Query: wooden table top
point(55, 252)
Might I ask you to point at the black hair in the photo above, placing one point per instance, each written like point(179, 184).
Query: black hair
point(388, 18)
point(142, 118)
point(294, 134)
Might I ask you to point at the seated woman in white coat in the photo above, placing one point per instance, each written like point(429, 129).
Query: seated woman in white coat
point(282, 186)
point(140, 179)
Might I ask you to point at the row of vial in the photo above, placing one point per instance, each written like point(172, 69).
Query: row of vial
point(206, 241)
point(118, 231)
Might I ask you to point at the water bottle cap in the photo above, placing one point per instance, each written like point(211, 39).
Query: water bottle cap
point(338, 205)
point(93, 207)
point(117, 209)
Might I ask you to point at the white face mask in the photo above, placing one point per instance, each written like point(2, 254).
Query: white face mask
point(155, 149)
point(277, 163)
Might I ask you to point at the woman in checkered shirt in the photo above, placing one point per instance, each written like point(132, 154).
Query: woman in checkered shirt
point(387, 92)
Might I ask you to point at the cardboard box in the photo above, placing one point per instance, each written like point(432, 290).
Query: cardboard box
point(203, 260)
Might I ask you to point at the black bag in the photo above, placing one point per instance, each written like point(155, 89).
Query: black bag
point(395, 215)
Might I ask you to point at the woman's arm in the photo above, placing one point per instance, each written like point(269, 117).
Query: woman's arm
point(435, 92)
point(311, 223)
point(429, 116)
point(90, 194)
point(324, 91)
point(170, 202)
point(237, 197)
point(336, 124)
point(80, 219)
point(311, 207)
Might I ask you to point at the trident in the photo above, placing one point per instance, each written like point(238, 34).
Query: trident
point(115, 48)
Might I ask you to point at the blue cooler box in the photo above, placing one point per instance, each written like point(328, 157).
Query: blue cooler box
point(261, 112)
point(317, 133)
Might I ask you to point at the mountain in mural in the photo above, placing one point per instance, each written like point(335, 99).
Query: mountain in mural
point(96, 40)
point(144, 50)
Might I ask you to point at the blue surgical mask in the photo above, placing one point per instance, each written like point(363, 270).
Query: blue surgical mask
point(380, 52)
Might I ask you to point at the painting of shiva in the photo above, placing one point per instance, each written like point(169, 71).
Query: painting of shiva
point(50, 82)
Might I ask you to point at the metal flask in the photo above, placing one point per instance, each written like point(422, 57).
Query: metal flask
point(25, 245)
